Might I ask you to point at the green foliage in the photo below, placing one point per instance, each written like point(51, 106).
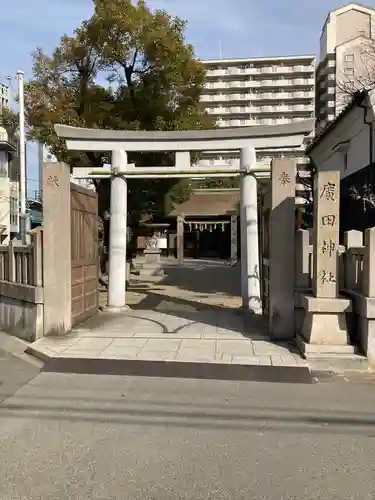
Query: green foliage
point(125, 68)
point(9, 120)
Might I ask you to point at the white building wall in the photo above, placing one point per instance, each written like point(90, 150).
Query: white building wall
point(5, 191)
point(4, 96)
point(4, 208)
point(340, 33)
point(329, 154)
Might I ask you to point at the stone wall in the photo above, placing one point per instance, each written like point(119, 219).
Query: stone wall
point(21, 310)
point(21, 288)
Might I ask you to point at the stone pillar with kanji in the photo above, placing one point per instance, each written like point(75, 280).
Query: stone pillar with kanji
point(281, 248)
point(324, 331)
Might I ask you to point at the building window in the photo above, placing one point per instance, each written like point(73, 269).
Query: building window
point(349, 71)
point(349, 57)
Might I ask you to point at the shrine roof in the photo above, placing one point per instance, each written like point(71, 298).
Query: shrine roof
point(209, 202)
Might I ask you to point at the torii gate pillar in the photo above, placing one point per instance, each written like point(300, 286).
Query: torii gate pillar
point(250, 269)
point(117, 235)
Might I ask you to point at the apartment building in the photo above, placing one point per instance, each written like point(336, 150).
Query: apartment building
point(4, 96)
point(346, 60)
point(9, 196)
point(259, 91)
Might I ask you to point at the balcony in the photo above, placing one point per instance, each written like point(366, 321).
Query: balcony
point(231, 85)
point(239, 110)
point(303, 81)
point(256, 122)
point(212, 97)
point(280, 82)
point(236, 123)
point(238, 97)
point(225, 97)
point(278, 96)
point(234, 110)
point(303, 95)
point(287, 69)
point(304, 69)
point(272, 70)
point(282, 108)
point(215, 73)
point(301, 107)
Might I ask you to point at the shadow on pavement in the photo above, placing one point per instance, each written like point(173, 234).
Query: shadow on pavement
point(294, 421)
point(204, 277)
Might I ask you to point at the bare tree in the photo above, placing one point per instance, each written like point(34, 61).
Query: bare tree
point(358, 73)
point(362, 67)
point(363, 194)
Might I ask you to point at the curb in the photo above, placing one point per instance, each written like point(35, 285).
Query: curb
point(41, 356)
point(174, 369)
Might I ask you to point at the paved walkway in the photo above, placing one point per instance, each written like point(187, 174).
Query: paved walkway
point(192, 314)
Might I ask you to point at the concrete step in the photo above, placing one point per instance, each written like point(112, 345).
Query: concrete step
point(338, 363)
point(180, 369)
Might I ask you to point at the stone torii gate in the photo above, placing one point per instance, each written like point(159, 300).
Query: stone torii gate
point(182, 143)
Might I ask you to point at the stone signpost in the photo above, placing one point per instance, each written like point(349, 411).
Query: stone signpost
point(324, 330)
point(281, 249)
point(326, 235)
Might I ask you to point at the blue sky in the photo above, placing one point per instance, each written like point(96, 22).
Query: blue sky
point(242, 28)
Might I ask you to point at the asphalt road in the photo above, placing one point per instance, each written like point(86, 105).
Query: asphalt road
point(65, 436)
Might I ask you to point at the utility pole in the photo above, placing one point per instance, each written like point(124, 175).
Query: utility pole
point(40, 161)
point(22, 157)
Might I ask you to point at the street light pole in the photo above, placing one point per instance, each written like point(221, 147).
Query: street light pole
point(22, 156)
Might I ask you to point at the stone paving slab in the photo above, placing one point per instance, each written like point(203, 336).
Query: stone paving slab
point(242, 351)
